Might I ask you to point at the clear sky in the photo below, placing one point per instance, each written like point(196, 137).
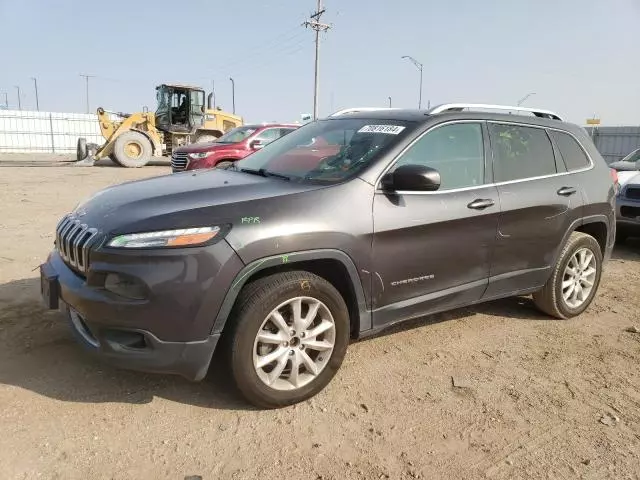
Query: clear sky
point(580, 57)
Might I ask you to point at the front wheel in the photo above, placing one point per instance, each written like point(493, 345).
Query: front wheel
point(574, 279)
point(132, 149)
point(289, 336)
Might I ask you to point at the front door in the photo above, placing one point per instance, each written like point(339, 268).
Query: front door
point(432, 250)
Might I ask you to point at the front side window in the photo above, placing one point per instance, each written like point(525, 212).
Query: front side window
point(520, 152)
point(456, 151)
point(327, 151)
point(572, 153)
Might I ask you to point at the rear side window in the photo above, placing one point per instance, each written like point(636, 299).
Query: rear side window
point(570, 151)
point(520, 152)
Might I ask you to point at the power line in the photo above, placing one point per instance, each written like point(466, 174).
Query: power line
point(314, 24)
point(293, 49)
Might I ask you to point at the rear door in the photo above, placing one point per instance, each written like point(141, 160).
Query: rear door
point(432, 250)
point(539, 200)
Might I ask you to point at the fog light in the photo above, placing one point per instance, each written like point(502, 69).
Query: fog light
point(127, 287)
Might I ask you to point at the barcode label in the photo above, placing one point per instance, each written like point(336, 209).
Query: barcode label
point(390, 129)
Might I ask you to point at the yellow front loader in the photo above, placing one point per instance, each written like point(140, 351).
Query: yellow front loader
point(131, 140)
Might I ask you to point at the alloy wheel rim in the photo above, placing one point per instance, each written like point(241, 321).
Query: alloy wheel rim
point(294, 343)
point(579, 278)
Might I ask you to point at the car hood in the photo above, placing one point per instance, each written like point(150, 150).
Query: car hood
point(188, 199)
point(626, 178)
point(207, 147)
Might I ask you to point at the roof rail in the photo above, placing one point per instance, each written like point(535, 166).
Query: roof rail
point(457, 107)
point(361, 109)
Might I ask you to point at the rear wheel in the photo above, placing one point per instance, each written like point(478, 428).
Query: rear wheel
point(289, 336)
point(132, 149)
point(574, 280)
point(81, 149)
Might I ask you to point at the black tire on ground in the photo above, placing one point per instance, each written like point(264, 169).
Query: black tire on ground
point(255, 302)
point(81, 150)
point(224, 164)
point(206, 137)
point(132, 149)
point(550, 299)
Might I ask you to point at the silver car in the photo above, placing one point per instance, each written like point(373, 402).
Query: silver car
point(628, 199)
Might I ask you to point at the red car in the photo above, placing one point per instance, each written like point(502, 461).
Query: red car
point(233, 145)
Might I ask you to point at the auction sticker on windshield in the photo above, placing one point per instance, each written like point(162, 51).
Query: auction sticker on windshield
point(390, 129)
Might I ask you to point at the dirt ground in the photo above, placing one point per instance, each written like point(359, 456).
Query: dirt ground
point(496, 391)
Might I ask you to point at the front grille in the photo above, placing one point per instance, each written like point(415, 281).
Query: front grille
point(179, 161)
point(633, 193)
point(73, 240)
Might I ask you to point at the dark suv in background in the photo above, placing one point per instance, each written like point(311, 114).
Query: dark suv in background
point(233, 145)
point(340, 229)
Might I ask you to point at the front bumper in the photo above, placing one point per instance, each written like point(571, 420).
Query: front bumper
point(169, 331)
point(627, 213)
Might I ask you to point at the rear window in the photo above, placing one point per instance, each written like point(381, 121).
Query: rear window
point(570, 151)
point(521, 152)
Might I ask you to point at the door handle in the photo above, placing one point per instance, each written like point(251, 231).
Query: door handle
point(481, 204)
point(566, 191)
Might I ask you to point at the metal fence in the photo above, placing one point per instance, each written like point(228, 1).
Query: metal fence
point(613, 143)
point(24, 131)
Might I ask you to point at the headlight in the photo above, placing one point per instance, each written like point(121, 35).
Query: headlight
point(184, 237)
point(199, 155)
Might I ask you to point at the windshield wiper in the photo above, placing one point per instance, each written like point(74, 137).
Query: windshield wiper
point(265, 173)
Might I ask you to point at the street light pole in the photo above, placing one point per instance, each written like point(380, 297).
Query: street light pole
point(19, 101)
point(233, 94)
point(419, 66)
point(522, 100)
point(35, 85)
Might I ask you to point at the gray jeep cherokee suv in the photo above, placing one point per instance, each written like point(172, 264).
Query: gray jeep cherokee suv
point(340, 229)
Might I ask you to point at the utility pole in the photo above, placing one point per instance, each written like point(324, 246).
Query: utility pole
point(19, 101)
point(314, 23)
point(389, 102)
point(87, 77)
point(419, 67)
point(35, 84)
point(233, 94)
point(213, 93)
point(6, 99)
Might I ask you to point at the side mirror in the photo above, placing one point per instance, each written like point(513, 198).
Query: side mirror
point(412, 178)
point(256, 145)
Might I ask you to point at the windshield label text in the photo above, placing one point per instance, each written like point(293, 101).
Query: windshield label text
point(389, 129)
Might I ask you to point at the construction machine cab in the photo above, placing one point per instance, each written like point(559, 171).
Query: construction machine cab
point(181, 108)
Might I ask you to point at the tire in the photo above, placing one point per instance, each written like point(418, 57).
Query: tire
point(206, 137)
point(132, 150)
point(224, 164)
point(250, 316)
point(550, 298)
point(81, 150)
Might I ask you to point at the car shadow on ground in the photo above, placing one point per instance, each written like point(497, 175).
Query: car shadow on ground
point(154, 162)
point(38, 352)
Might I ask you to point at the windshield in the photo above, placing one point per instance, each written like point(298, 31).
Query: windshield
point(632, 157)
point(236, 135)
point(327, 151)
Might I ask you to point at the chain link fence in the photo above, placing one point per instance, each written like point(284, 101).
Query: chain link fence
point(46, 132)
